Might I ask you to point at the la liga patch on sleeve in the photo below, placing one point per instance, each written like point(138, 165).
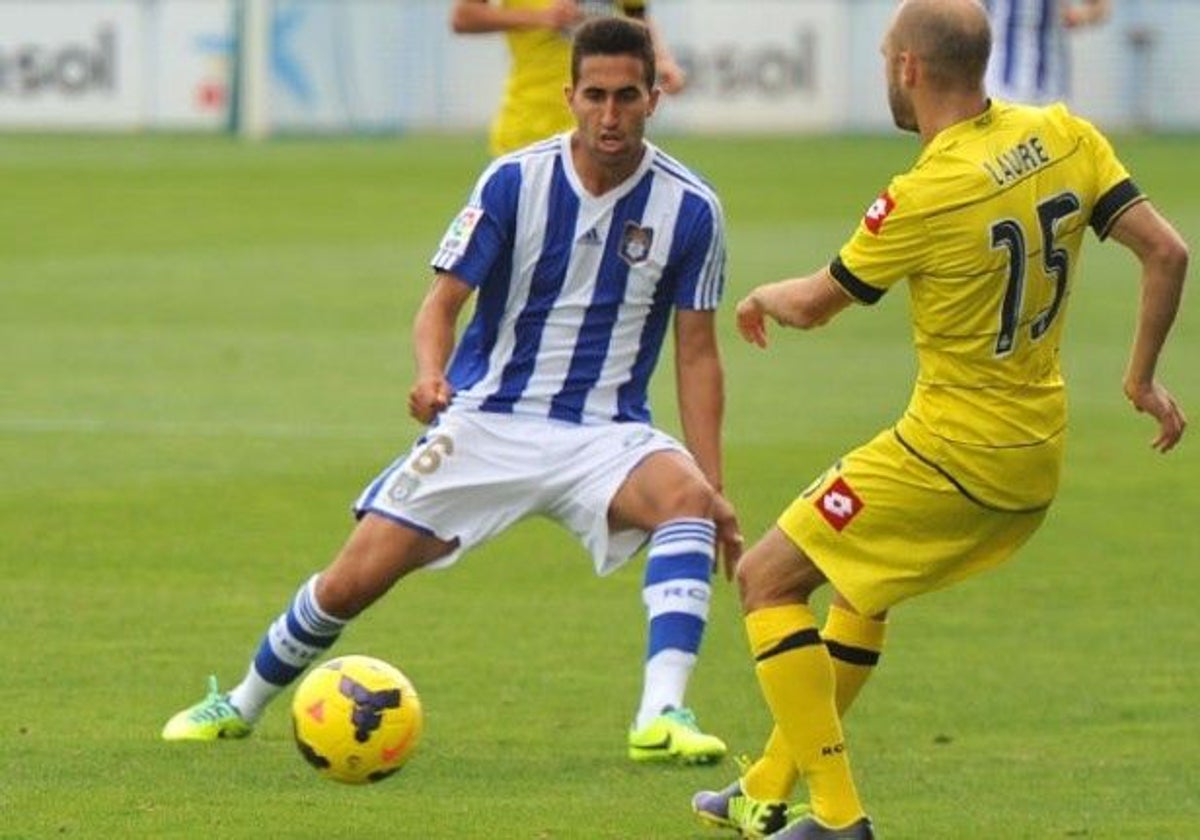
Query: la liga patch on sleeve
point(460, 230)
point(839, 504)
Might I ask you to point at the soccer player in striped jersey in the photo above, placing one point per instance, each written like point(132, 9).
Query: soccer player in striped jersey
point(986, 228)
point(579, 252)
point(538, 35)
point(1030, 60)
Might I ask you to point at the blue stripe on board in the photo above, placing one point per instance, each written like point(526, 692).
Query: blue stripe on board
point(545, 286)
point(595, 334)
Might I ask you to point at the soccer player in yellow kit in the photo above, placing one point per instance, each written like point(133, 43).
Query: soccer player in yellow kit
point(986, 228)
point(538, 33)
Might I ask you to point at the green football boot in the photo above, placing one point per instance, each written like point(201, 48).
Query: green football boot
point(731, 808)
point(674, 736)
point(809, 828)
point(212, 718)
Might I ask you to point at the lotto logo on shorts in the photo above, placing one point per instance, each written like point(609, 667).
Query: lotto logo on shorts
point(839, 504)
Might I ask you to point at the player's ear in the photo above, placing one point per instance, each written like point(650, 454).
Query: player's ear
point(653, 100)
point(910, 68)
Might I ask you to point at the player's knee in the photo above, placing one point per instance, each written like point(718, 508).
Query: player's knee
point(767, 578)
point(689, 497)
point(753, 584)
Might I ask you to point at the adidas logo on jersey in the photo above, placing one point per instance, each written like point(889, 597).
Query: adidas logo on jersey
point(592, 237)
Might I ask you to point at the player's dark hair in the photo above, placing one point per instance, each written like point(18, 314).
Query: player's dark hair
point(614, 36)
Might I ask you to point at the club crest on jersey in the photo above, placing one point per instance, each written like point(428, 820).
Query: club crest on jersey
point(460, 230)
point(878, 212)
point(635, 243)
point(839, 504)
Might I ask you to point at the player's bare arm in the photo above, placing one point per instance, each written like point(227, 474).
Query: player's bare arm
point(1164, 259)
point(801, 302)
point(433, 342)
point(671, 76)
point(477, 16)
point(700, 387)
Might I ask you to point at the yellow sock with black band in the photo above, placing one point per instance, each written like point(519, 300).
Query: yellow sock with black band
point(797, 678)
point(854, 642)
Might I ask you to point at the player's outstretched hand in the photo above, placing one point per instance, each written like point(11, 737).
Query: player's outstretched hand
point(752, 320)
point(563, 14)
point(729, 536)
point(428, 397)
point(1155, 400)
point(671, 77)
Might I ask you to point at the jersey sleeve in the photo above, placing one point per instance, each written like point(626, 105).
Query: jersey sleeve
point(1115, 190)
point(482, 232)
point(697, 257)
point(888, 245)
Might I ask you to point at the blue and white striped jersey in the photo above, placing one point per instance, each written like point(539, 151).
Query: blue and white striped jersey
point(574, 292)
point(1029, 62)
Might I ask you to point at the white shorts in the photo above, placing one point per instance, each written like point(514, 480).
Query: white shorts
point(474, 474)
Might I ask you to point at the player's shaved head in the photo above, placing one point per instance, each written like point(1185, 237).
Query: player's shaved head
point(952, 38)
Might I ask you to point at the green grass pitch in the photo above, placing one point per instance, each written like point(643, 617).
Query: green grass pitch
point(204, 354)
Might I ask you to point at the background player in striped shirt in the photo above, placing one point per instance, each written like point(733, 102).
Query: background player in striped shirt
point(986, 228)
point(1030, 59)
point(538, 34)
point(580, 253)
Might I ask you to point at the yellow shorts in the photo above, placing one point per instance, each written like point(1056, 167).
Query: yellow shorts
point(883, 526)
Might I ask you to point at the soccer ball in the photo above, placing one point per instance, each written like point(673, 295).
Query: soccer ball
point(356, 719)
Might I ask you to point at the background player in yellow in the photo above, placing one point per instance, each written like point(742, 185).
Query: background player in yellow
point(986, 228)
point(538, 33)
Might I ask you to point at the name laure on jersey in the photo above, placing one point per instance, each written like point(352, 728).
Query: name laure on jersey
point(1018, 161)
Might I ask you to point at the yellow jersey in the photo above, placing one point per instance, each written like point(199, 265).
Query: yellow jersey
point(987, 228)
point(534, 105)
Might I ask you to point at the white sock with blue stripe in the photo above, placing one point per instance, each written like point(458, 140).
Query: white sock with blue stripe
point(293, 641)
point(676, 592)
